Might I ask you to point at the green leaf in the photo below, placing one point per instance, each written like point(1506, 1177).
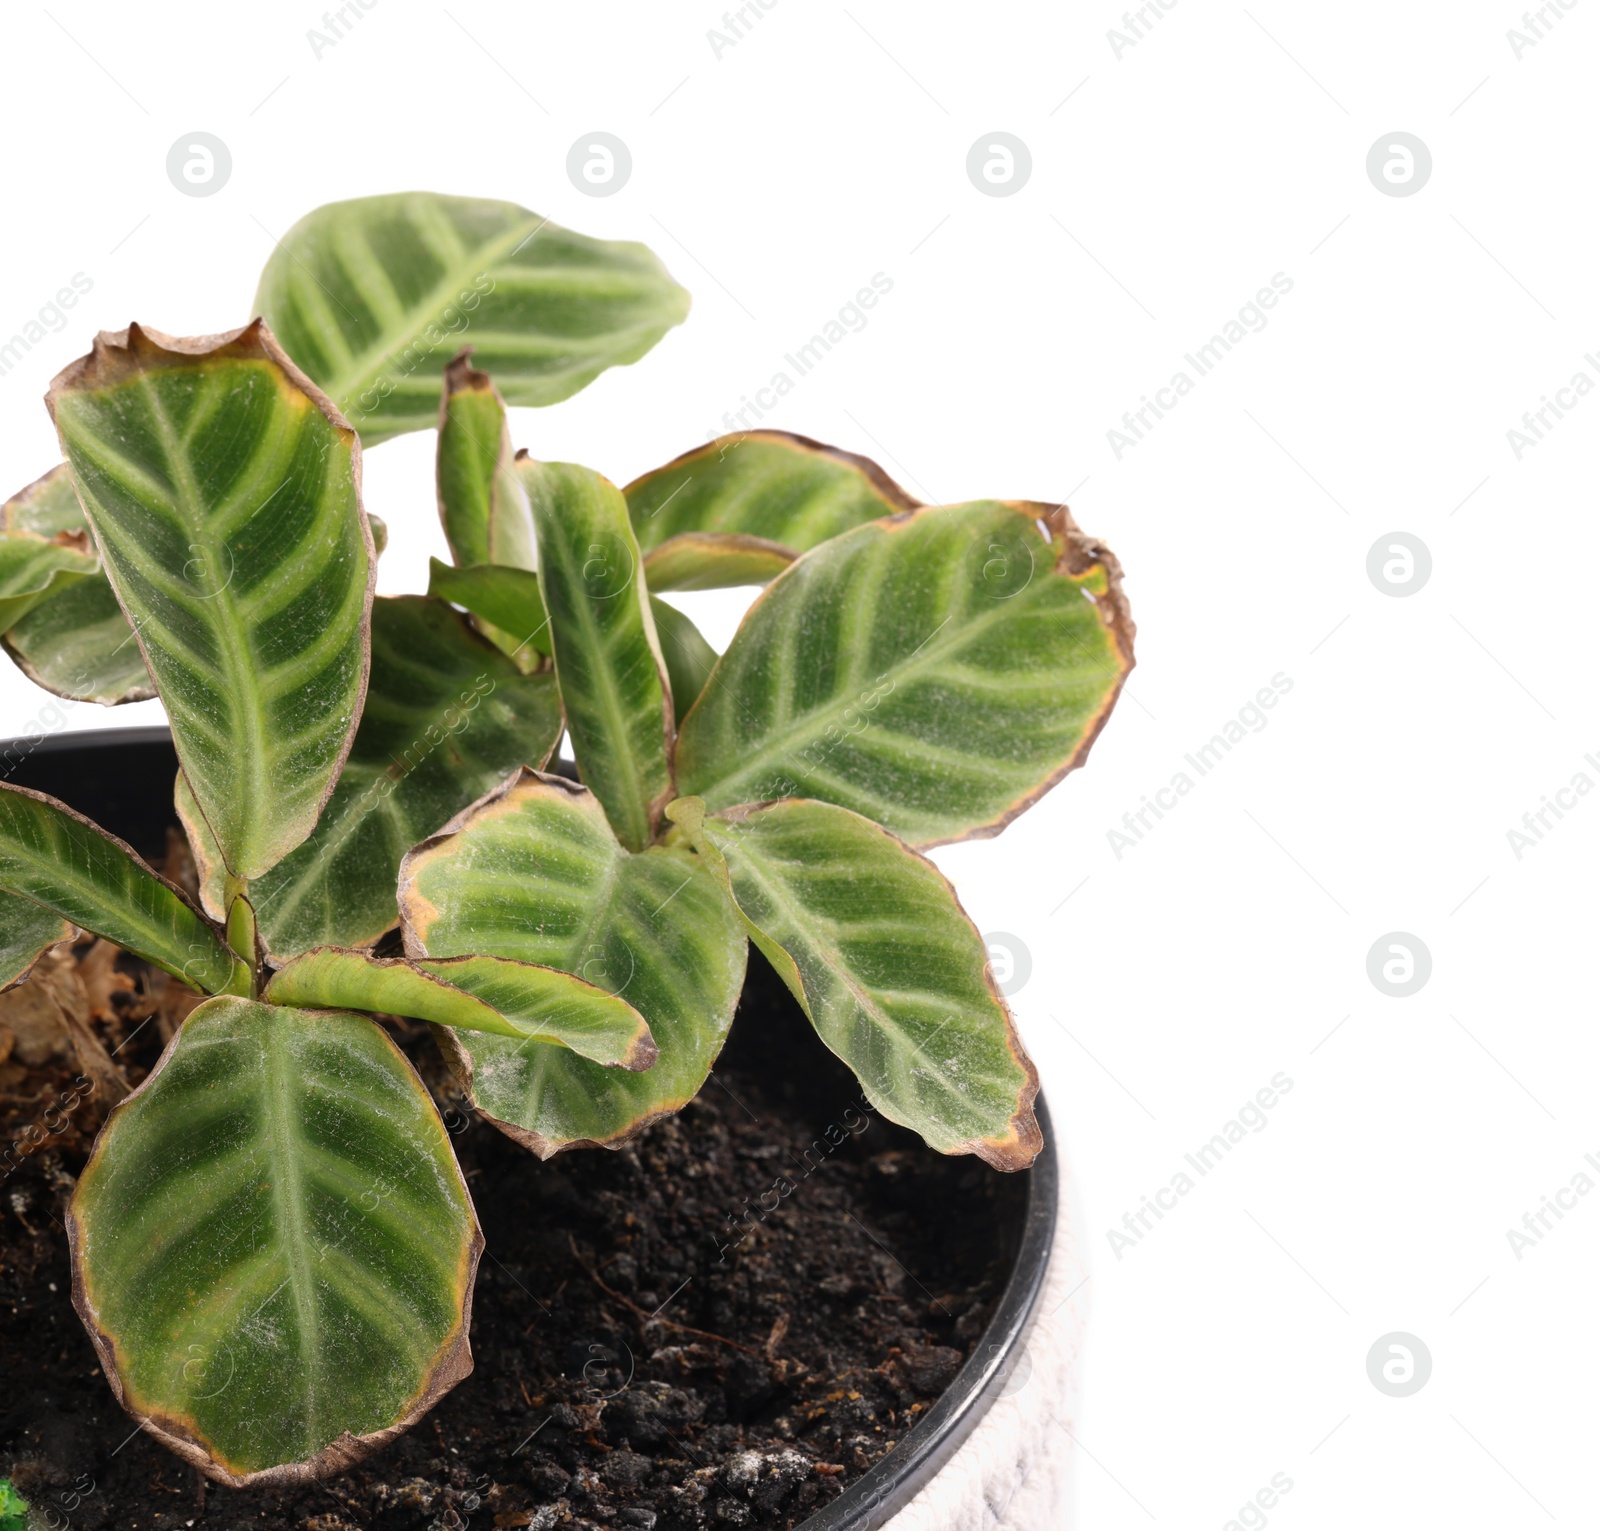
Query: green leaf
point(738, 510)
point(533, 873)
point(507, 599)
point(373, 296)
point(225, 499)
point(447, 717)
point(938, 672)
point(13, 1507)
point(689, 658)
point(481, 501)
point(488, 994)
point(48, 505)
point(35, 568)
point(613, 679)
point(78, 644)
point(273, 1244)
point(59, 859)
point(27, 931)
point(891, 971)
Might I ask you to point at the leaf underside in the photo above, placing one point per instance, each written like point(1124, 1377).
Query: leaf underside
point(739, 509)
point(373, 296)
point(936, 672)
point(226, 503)
point(273, 1245)
point(446, 718)
point(533, 873)
point(891, 971)
point(27, 931)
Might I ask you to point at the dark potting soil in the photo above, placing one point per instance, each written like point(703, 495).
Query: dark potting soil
point(722, 1324)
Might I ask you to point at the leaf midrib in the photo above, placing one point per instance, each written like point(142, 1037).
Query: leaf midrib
point(289, 1203)
point(241, 676)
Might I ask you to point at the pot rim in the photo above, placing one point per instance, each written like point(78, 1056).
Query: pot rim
point(892, 1483)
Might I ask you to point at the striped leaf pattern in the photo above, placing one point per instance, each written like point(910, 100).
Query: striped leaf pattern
point(273, 1247)
point(740, 509)
point(533, 873)
point(446, 718)
point(891, 971)
point(59, 859)
point(225, 499)
point(373, 296)
point(613, 679)
point(937, 671)
point(27, 931)
point(489, 994)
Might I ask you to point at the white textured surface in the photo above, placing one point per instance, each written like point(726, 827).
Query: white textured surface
point(1017, 1470)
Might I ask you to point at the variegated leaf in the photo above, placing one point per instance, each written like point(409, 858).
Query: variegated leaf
point(273, 1247)
point(224, 495)
point(937, 672)
point(613, 679)
point(533, 873)
point(894, 976)
point(78, 644)
point(740, 509)
point(34, 569)
point(48, 506)
point(373, 296)
point(489, 994)
point(446, 718)
point(59, 859)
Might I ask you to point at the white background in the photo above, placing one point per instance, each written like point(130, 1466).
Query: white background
point(1168, 986)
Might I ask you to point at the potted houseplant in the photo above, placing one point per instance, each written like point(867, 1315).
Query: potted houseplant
point(273, 1244)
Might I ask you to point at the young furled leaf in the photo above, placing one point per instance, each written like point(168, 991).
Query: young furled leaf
point(937, 671)
point(446, 717)
point(372, 296)
point(273, 1247)
point(741, 509)
point(482, 503)
point(534, 874)
point(489, 994)
point(224, 494)
point(608, 660)
point(882, 957)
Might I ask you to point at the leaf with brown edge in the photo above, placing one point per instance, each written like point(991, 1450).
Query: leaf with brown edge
point(27, 931)
point(894, 976)
point(273, 1247)
point(223, 490)
point(481, 501)
point(490, 994)
point(533, 873)
point(937, 671)
point(741, 508)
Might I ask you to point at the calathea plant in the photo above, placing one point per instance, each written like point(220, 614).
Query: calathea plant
point(273, 1246)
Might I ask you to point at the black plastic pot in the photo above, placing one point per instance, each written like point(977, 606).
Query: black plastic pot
point(122, 779)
